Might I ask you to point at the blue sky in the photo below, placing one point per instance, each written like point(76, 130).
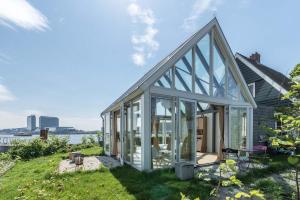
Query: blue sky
point(72, 58)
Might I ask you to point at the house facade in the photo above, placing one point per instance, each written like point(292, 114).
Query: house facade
point(191, 104)
point(267, 86)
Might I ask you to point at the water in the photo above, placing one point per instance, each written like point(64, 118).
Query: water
point(73, 138)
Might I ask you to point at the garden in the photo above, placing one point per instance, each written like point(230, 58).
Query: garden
point(29, 170)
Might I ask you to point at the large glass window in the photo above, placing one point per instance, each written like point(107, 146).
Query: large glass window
point(136, 133)
point(107, 132)
point(187, 131)
point(127, 135)
point(202, 65)
point(238, 127)
point(161, 132)
point(233, 90)
point(183, 73)
point(166, 80)
point(218, 72)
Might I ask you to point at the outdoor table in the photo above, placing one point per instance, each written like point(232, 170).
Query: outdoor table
point(247, 152)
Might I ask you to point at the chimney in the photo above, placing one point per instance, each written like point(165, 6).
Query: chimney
point(255, 57)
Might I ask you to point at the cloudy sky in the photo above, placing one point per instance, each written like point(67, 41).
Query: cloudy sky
point(72, 58)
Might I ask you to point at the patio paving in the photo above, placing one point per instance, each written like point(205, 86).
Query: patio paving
point(89, 163)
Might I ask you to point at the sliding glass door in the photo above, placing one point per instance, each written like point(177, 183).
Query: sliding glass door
point(238, 117)
point(186, 133)
point(162, 132)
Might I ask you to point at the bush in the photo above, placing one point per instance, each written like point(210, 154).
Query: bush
point(88, 140)
point(5, 157)
point(37, 147)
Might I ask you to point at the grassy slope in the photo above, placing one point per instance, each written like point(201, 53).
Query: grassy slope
point(36, 179)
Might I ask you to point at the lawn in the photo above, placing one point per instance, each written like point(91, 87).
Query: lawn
point(36, 179)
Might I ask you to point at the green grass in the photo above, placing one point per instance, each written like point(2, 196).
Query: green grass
point(276, 164)
point(36, 179)
point(272, 189)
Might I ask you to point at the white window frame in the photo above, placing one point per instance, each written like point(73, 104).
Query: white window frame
point(253, 88)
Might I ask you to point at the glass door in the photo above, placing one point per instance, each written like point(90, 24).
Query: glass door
point(162, 132)
point(238, 120)
point(187, 130)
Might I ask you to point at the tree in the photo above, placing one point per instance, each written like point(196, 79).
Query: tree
point(288, 135)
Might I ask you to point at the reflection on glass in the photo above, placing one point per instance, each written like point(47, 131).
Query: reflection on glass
point(218, 73)
point(187, 131)
point(166, 80)
point(232, 87)
point(238, 124)
point(136, 133)
point(161, 132)
point(183, 73)
point(202, 52)
point(107, 132)
point(127, 135)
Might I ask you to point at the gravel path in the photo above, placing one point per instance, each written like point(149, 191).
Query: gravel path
point(89, 163)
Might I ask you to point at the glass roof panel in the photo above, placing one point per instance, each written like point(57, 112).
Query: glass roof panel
point(232, 87)
point(183, 73)
point(166, 80)
point(202, 66)
point(203, 45)
point(218, 72)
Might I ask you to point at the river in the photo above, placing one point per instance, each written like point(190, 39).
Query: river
point(73, 138)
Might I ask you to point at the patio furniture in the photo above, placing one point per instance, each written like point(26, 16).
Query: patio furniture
point(259, 153)
point(160, 157)
point(229, 153)
point(156, 156)
point(184, 170)
point(73, 155)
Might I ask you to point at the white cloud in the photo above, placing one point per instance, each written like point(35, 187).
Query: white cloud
point(200, 7)
point(22, 14)
point(5, 94)
point(138, 58)
point(144, 44)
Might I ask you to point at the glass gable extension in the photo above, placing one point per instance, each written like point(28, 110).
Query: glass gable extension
point(196, 73)
point(188, 108)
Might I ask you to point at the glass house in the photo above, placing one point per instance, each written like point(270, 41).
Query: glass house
point(187, 108)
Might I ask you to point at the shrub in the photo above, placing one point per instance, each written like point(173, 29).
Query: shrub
point(91, 139)
point(84, 140)
point(37, 147)
point(88, 140)
point(5, 157)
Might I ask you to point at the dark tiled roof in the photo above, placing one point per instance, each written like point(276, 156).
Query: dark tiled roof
point(278, 77)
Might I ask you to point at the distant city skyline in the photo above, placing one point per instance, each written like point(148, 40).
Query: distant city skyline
point(71, 59)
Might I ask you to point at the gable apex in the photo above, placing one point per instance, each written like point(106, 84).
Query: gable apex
point(158, 70)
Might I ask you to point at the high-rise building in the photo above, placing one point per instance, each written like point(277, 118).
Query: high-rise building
point(48, 122)
point(31, 122)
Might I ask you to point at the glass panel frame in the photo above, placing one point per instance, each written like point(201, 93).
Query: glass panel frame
point(107, 130)
point(127, 133)
point(165, 81)
point(186, 143)
point(219, 69)
point(136, 147)
point(202, 65)
point(239, 127)
point(184, 72)
point(162, 131)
